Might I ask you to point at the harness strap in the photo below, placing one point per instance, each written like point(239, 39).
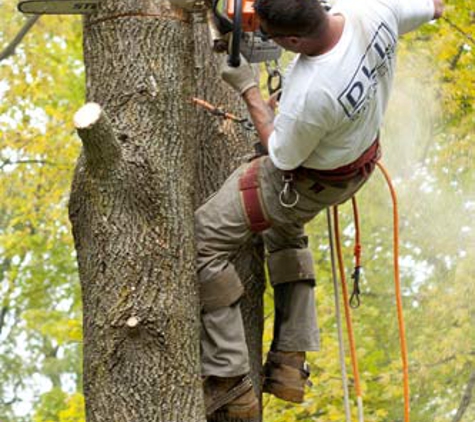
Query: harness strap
point(251, 198)
point(280, 359)
point(364, 165)
point(237, 391)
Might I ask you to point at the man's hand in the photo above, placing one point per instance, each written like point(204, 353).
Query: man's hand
point(438, 8)
point(240, 78)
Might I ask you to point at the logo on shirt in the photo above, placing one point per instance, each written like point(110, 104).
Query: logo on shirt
point(375, 63)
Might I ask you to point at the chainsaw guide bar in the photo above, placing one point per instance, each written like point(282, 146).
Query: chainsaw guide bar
point(59, 7)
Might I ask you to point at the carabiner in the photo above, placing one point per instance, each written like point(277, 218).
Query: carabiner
point(287, 191)
point(274, 82)
point(274, 78)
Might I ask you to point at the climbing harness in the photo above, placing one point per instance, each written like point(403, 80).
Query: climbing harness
point(346, 301)
point(251, 198)
point(289, 197)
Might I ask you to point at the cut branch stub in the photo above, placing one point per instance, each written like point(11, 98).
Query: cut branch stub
point(132, 322)
point(101, 148)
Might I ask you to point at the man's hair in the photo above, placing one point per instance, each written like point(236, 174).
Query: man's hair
point(293, 17)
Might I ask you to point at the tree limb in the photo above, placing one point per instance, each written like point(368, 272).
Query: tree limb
point(455, 60)
point(466, 398)
point(10, 49)
point(15, 398)
point(101, 147)
point(3, 314)
point(460, 30)
point(11, 401)
point(9, 162)
point(5, 308)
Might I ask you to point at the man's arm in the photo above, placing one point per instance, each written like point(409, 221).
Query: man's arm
point(243, 80)
point(411, 14)
point(293, 140)
point(261, 114)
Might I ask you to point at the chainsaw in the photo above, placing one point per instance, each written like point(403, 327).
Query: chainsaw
point(234, 27)
point(237, 21)
point(229, 19)
point(59, 7)
point(233, 24)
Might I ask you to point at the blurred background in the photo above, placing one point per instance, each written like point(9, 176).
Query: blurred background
point(428, 147)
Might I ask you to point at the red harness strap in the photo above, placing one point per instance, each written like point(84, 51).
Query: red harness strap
point(363, 165)
point(252, 198)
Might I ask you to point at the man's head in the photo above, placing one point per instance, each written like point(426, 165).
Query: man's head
point(291, 18)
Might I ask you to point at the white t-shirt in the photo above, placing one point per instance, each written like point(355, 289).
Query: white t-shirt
point(333, 104)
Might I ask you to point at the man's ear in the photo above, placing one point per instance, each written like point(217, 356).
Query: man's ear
point(295, 41)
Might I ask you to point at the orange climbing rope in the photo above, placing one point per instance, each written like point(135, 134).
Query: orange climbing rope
point(349, 323)
point(397, 282)
point(357, 253)
point(358, 248)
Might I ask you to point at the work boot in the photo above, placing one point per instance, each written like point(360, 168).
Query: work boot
point(230, 398)
point(285, 375)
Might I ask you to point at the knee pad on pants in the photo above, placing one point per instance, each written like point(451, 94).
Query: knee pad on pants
point(290, 265)
point(221, 291)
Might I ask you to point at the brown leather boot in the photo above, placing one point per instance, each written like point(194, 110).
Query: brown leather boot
point(285, 375)
point(230, 398)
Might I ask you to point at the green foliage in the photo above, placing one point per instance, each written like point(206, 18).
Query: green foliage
point(428, 144)
point(57, 406)
point(50, 405)
point(74, 411)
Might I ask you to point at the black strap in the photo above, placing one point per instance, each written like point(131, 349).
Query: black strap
point(237, 391)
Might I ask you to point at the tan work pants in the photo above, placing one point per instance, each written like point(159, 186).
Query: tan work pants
point(221, 228)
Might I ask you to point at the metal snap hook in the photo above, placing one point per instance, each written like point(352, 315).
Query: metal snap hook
point(287, 191)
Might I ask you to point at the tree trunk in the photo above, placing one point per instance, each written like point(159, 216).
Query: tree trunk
point(149, 158)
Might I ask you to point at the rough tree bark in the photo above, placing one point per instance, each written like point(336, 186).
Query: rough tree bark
point(149, 158)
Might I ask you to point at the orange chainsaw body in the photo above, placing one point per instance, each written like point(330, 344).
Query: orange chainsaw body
point(250, 21)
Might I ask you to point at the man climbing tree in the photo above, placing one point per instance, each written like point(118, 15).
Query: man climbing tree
point(323, 146)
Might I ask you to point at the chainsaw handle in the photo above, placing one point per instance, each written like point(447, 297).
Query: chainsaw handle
point(234, 58)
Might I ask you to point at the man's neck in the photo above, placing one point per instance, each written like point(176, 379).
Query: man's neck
point(327, 39)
